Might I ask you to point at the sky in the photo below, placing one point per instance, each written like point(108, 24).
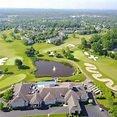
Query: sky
point(60, 4)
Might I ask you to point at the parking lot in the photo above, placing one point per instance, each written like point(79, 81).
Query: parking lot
point(94, 111)
point(54, 110)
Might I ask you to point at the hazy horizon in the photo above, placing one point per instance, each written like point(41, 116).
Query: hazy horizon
point(59, 9)
point(60, 4)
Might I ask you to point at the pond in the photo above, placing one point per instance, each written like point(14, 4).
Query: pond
point(53, 69)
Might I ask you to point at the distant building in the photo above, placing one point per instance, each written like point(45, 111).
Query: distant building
point(54, 40)
point(28, 41)
point(59, 38)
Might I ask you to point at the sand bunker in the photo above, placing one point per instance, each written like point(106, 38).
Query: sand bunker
point(3, 60)
point(92, 70)
point(96, 74)
point(86, 53)
point(89, 65)
point(71, 45)
point(91, 56)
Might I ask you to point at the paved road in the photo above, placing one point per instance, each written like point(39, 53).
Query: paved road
point(94, 111)
point(54, 110)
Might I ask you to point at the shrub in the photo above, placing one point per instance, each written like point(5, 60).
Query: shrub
point(101, 97)
point(18, 62)
point(8, 95)
point(24, 67)
point(1, 106)
point(59, 56)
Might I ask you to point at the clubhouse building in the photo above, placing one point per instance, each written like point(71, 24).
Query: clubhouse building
point(46, 94)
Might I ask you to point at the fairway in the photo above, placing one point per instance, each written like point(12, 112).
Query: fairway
point(107, 66)
point(16, 50)
point(8, 81)
point(71, 40)
point(11, 61)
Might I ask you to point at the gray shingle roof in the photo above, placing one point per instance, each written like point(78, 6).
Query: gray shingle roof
point(36, 99)
point(71, 93)
point(73, 105)
point(48, 97)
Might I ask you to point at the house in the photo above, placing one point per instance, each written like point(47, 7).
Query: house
point(30, 95)
point(71, 93)
point(72, 99)
point(19, 101)
point(36, 100)
point(73, 105)
point(28, 41)
point(49, 99)
point(54, 40)
point(82, 93)
point(59, 38)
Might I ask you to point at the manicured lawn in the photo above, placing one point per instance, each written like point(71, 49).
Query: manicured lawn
point(11, 61)
point(71, 40)
point(16, 49)
point(53, 115)
point(13, 50)
point(107, 66)
point(8, 81)
point(6, 50)
point(75, 78)
point(42, 46)
point(104, 65)
point(77, 39)
point(104, 102)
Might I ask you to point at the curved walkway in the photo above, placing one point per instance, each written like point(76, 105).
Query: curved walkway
point(98, 76)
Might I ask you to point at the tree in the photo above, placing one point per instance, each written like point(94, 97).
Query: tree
point(58, 42)
point(74, 35)
point(70, 56)
point(30, 52)
point(84, 43)
point(6, 70)
point(115, 56)
point(37, 53)
point(1, 106)
point(16, 30)
point(1, 72)
point(8, 95)
point(58, 55)
point(63, 51)
point(95, 38)
point(111, 55)
point(18, 63)
point(97, 47)
point(107, 41)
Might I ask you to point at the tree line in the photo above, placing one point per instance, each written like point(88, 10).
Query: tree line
point(103, 44)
